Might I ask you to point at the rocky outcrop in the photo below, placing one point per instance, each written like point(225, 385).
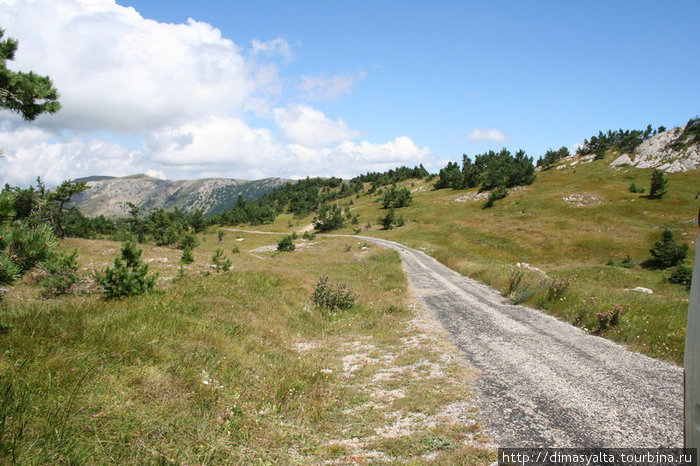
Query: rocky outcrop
point(669, 151)
point(109, 196)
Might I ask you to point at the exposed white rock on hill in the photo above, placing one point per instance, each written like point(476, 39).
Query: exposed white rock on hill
point(657, 152)
point(109, 196)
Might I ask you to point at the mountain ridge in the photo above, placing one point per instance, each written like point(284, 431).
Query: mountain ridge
point(109, 196)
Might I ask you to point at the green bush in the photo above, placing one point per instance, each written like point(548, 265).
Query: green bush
point(187, 256)
point(62, 274)
point(28, 246)
point(128, 277)
point(329, 217)
point(188, 241)
point(681, 275)
point(667, 252)
point(330, 298)
point(8, 270)
point(557, 288)
point(500, 192)
point(220, 261)
point(635, 189)
point(286, 244)
point(609, 318)
point(388, 221)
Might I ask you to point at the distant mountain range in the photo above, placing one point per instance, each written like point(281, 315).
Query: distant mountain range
point(109, 196)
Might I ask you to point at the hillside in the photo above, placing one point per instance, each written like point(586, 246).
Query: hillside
point(577, 224)
point(108, 196)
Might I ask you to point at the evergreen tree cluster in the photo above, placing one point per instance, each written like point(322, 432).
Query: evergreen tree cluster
point(164, 228)
point(30, 224)
point(619, 141)
point(311, 195)
point(37, 205)
point(329, 217)
point(394, 176)
point(488, 171)
point(396, 198)
point(551, 157)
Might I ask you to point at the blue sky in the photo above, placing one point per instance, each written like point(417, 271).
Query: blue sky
point(340, 88)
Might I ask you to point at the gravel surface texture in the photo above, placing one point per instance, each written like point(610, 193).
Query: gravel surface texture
point(543, 382)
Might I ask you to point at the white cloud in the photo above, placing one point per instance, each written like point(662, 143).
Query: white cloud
point(275, 47)
point(117, 71)
point(348, 158)
point(58, 161)
point(487, 135)
point(156, 174)
point(179, 94)
point(225, 143)
point(322, 88)
point(307, 126)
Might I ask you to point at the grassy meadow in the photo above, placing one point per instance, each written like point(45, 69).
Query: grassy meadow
point(234, 367)
point(575, 224)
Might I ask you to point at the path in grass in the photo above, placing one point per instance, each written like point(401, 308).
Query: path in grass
point(544, 382)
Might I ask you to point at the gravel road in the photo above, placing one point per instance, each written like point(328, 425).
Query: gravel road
point(543, 382)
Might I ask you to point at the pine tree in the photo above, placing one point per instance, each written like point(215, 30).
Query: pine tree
point(28, 94)
point(658, 188)
point(128, 277)
point(667, 252)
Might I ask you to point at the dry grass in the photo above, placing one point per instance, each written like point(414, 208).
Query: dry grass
point(235, 367)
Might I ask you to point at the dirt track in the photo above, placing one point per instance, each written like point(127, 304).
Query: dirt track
point(544, 382)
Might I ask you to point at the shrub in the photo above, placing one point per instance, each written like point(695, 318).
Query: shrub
point(27, 246)
point(220, 261)
point(389, 220)
point(286, 244)
point(188, 241)
point(557, 288)
point(681, 275)
point(330, 298)
point(394, 197)
point(128, 277)
point(551, 157)
point(8, 270)
point(62, 274)
point(627, 262)
point(667, 252)
point(187, 256)
point(635, 189)
point(500, 192)
point(329, 217)
point(515, 281)
point(609, 318)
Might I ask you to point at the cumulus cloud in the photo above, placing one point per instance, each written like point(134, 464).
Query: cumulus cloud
point(171, 100)
point(322, 88)
point(74, 158)
point(118, 71)
point(487, 135)
point(307, 126)
point(349, 158)
point(215, 141)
